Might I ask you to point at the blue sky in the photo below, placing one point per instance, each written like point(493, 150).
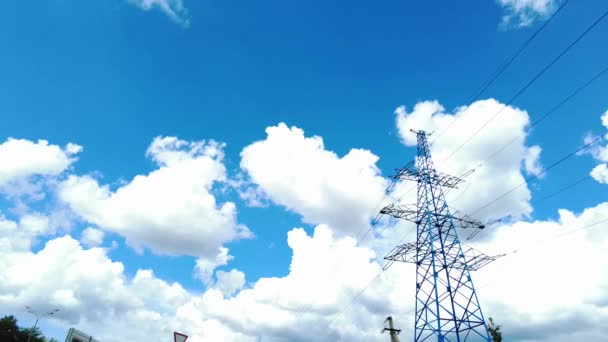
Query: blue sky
point(111, 76)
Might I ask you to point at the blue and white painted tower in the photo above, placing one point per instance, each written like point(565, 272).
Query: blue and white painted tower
point(447, 307)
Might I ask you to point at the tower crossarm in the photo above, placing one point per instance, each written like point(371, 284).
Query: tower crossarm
point(411, 213)
point(463, 220)
point(410, 172)
point(407, 253)
point(476, 259)
point(407, 212)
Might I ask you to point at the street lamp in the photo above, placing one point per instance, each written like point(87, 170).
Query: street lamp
point(38, 316)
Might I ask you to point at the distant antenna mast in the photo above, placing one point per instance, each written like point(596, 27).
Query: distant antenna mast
point(392, 331)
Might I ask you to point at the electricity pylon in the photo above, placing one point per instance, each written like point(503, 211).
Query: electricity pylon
point(447, 308)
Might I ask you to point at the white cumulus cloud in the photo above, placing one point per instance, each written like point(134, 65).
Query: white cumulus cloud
point(230, 282)
point(522, 13)
point(327, 273)
point(532, 161)
point(599, 151)
point(82, 283)
point(21, 235)
point(542, 277)
point(500, 171)
point(174, 9)
point(333, 290)
point(92, 237)
point(24, 159)
point(297, 172)
point(600, 173)
point(204, 267)
point(171, 210)
point(92, 292)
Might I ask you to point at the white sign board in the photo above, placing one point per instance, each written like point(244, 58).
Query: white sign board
point(75, 335)
point(177, 337)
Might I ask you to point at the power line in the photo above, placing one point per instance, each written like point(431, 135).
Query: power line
point(382, 270)
point(569, 155)
point(539, 121)
point(516, 54)
point(376, 219)
point(579, 181)
point(485, 85)
point(360, 292)
point(353, 299)
point(504, 66)
point(542, 199)
point(532, 81)
point(536, 243)
point(535, 123)
point(495, 76)
point(442, 267)
point(559, 236)
point(521, 91)
point(544, 116)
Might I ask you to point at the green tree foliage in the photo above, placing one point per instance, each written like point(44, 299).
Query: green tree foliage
point(36, 335)
point(494, 330)
point(11, 332)
point(9, 329)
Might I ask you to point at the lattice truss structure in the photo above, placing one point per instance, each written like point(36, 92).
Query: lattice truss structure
point(447, 307)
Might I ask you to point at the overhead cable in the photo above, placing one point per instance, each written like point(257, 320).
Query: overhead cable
point(503, 67)
point(530, 83)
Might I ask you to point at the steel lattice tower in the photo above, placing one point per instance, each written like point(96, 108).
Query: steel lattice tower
point(447, 308)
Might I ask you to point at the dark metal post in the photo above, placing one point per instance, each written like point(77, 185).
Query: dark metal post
point(392, 331)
